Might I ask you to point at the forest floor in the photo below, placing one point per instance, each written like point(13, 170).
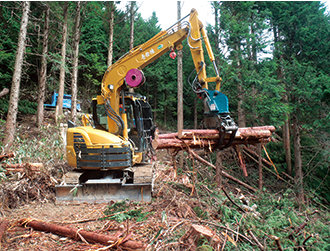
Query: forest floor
point(188, 210)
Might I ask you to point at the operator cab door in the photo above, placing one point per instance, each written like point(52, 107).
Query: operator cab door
point(140, 125)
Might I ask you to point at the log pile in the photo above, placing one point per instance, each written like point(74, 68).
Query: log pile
point(209, 138)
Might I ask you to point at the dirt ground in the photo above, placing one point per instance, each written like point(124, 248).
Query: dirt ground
point(168, 208)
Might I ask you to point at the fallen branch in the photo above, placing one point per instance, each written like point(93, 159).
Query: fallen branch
point(6, 156)
point(241, 160)
point(261, 247)
point(299, 228)
point(304, 242)
point(78, 234)
point(232, 200)
point(226, 228)
point(277, 242)
point(268, 169)
point(196, 156)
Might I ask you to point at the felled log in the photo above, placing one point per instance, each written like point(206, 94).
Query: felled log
point(210, 138)
point(78, 234)
point(16, 168)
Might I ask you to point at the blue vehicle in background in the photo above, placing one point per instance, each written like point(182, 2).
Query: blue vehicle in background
point(66, 102)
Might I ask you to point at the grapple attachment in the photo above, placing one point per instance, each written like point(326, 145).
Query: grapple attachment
point(216, 116)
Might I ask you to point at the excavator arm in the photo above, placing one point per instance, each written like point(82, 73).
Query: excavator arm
point(128, 69)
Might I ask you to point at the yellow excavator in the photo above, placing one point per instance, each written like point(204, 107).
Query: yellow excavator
point(112, 153)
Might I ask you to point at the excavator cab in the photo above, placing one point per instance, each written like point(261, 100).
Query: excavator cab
point(140, 125)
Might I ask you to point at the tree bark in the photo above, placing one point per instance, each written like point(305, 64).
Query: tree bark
point(298, 161)
point(59, 105)
point(195, 114)
point(180, 90)
point(180, 82)
point(78, 234)
point(10, 126)
point(210, 138)
point(111, 24)
point(75, 64)
point(43, 70)
point(240, 110)
point(286, 140)
point(131, 37)
point(280, 75)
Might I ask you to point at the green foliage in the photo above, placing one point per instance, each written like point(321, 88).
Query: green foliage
point(280, 216)
point(25, 107)
point(119, 212)
point(33, 145)
point(201, 213)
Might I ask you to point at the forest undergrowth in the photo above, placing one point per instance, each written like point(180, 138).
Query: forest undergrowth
point(188, 210)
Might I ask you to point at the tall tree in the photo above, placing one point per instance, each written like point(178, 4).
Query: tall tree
point(10, 126)
point(304, 32)
point(43, 70)
point(59, 105)
point(75, 63)
point(131, 15)
point(111, 7)
point(131, 37)
point(180, 80)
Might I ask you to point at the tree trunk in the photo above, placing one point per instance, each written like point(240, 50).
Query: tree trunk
point(80, 234)
point(180, 82)
point(240, 110)
point(298, 161)
point(59, 106)
point(286, 137)
point(280, 76)
point(217, 25)
point(180, 90)
point(75, 64)
point(254, 60)
point(195, 113)
point(43, 71)
point(111, 23)
point(131, 37)
point(10, 126)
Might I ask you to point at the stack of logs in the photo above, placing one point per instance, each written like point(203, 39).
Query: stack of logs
point(209, 138)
